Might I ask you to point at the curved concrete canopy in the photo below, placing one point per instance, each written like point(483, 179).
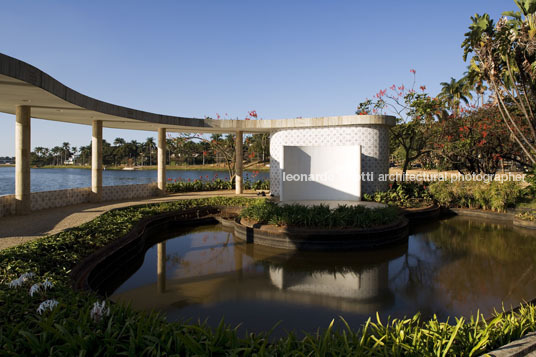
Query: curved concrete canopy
point(23, 84)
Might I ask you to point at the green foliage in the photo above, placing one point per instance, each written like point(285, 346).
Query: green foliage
point(217, 184)
point(475, 141)
point(318, 216)
point(403, 194)
point(527, 216)
point(495, 196)
point(504, 57)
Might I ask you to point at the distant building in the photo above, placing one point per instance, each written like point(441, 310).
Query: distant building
point(7, 160)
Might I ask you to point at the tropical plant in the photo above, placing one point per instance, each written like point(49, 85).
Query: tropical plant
point(454, 93)
point(505, 57)
point(403, 194)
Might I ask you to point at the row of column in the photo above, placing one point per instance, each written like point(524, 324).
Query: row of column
point(23, 159)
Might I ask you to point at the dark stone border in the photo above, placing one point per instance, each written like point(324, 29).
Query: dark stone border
point(418, 214)
point(105, 268)
point(325, 239)
point(508, 217)
point(524, 224)
point(477, 213)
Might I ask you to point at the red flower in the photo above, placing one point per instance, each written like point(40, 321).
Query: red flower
point(413, 71)
point(423, 88)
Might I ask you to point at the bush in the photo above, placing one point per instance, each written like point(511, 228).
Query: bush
point(527, 216)
point(216, 184)
point(403, 194)
point(495, 196)
point(318, 216)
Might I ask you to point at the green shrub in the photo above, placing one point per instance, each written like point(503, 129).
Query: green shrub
point(527, 216)
point(318, 216)
point(213, 185)
point(496, 196)
point(402, 194)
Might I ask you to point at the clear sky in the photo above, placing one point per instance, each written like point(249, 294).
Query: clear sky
point(283, 59)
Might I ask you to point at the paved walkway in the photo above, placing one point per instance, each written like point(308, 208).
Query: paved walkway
point(15, 230)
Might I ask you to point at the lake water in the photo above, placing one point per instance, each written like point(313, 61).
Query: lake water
point(58, 179)
point(452, 267)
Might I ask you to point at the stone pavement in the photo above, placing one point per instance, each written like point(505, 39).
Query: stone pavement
point(15, 230)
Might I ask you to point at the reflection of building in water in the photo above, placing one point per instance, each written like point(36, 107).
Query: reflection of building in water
point(211, 272)
point(370, 283)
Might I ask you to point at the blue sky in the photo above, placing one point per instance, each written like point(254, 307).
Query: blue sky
point(197, 58)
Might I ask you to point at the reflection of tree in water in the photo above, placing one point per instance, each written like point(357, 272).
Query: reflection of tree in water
point(468, 264)
point(498, 262)
point(177, 261)
point(414, 280)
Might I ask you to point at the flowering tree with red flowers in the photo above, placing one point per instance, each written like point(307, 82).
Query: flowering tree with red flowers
point(476, 141)
point(415, 112)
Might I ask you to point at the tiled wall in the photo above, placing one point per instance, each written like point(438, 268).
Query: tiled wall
point(59, 198)
point(374, 141)
point(114, 193)
point(73, 196)
point(7, 205)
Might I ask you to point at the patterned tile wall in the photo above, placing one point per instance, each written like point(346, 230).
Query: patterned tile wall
point(125, 192)
point(7, 205)
point(73, 196)
point(59, 198)
point(374, 141)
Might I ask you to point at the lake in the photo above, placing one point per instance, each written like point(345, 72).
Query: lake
point(59, 179)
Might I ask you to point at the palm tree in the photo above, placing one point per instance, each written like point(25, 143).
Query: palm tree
point(74, 151)
point(66, 151)
point(150, 147)
point(455, 92)
point(475, 80)
point(56, 151)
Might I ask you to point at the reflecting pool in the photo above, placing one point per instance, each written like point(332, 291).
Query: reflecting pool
point(451, 267)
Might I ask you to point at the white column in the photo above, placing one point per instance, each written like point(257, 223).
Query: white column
point(162, 160)
point(22, 159)
point(238, 163)
point(96, 162)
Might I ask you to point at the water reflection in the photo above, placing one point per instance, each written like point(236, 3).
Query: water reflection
point(161, 268)
point(449, 267)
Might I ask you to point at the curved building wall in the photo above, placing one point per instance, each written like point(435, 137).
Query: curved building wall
point(374, 141)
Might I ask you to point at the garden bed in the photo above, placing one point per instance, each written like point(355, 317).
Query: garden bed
point(333, 239)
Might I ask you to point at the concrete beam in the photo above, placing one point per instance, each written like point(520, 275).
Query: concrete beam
point(22, 159)
point(162, 160)
point(239, 187)
point(96, 162)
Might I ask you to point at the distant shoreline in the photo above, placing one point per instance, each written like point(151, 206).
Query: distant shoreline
point(145, 168)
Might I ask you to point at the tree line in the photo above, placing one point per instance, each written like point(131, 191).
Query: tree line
point(182, 149)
